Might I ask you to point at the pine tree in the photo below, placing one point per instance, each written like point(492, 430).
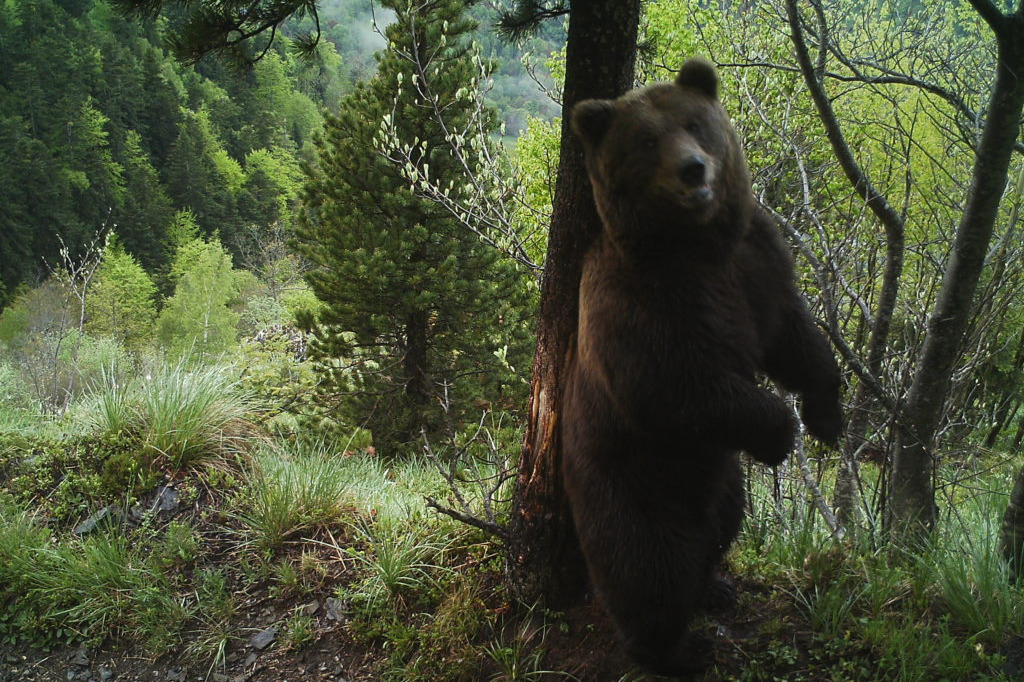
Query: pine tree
point(196, 179)
point(414, 299)
point(146, 212)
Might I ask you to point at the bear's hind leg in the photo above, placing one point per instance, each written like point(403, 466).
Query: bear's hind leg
point(653, 618)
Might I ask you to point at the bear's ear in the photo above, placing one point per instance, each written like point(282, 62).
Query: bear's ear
point(591, 119)
point(699, 74)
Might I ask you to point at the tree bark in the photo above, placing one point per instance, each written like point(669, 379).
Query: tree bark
point(912, 510)
point(1012, 538)
point(543, 553)
point(414, 360)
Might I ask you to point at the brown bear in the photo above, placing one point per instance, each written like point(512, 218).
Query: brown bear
point(687, 296)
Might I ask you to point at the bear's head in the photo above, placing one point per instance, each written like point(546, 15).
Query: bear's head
point(665, 157)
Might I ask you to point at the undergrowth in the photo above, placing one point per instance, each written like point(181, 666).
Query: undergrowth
point(299, 521)
point(869, 610)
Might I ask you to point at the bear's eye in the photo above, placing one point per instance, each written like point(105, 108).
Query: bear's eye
point(647, 141)
point(693, 127)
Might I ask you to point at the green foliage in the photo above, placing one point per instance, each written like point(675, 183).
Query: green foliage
point(201, 177)
point(121, 301)
point(66, 477)
point(536, 164)
point(179, 545)
point(197, 320)
point(99, 127)
point(940, 611)
point(271, 186)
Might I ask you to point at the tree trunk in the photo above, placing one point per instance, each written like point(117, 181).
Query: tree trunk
point(1012, 539)
point(415, 377)
point(544, 557)
point(912, 510)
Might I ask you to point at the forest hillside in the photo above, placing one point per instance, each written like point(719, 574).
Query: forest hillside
point(281, 339)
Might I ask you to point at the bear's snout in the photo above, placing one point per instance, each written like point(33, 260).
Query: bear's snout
point(693, 170)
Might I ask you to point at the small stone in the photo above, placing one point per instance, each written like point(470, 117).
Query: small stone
point(335, 609)
point(108, 515)
point(262, 640)
point(105, 673)
point(250, 660)
point(81, 657)
point(310, 608)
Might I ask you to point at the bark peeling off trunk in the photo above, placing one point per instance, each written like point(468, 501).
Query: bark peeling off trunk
point(545, 563)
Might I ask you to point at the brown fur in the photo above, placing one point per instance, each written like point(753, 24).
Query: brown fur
point(686, 296)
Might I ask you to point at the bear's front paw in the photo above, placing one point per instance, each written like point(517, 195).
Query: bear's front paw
point(773, 445)
point(823, 419)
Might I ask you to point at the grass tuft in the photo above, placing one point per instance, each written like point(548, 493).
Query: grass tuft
point(292, 488)
point(186, 415)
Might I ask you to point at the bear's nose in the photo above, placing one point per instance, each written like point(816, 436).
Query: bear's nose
point(692, 170)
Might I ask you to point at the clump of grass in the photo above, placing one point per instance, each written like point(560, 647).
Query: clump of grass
point(186, 414)
point(293, 488)
point(399, 565)
point(299, 630)
point(972, 580)
point(21, 541)
point(937, 611)
point(80, 590)
point(100, 586)
point(214, 608)
point(178, 415)
point(518, 652)
point(110, 406)
point(392, 491)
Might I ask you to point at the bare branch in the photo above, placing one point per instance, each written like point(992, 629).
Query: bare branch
point(838, 531)
point(468, 519)
point(812, 73)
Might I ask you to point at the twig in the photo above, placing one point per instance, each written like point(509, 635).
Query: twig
point(838, 530)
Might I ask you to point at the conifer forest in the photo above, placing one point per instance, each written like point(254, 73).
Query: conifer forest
point(289, 293)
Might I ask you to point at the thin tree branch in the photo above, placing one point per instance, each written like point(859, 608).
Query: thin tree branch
point(886, 214)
